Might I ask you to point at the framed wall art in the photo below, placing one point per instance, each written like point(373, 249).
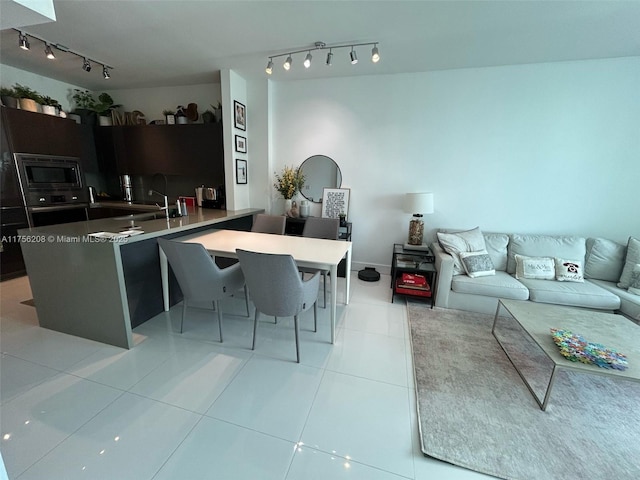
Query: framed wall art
point(335, 201)
point(239, 115)
point(241, 171)
point(241, 144)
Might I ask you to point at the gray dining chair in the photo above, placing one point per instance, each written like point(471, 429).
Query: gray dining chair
point(199, 277)
point(276, 289)
point(327, 228)
point(264, 223)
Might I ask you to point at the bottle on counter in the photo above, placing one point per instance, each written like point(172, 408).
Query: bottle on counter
point(183, 210)
point(179, 209)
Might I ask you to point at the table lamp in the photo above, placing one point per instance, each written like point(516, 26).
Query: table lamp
point(418, 204)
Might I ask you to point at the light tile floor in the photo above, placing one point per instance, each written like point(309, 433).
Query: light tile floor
point(187, 407)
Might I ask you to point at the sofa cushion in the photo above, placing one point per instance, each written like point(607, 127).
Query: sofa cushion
point(542, 268)
point(574, 294)
point(496, 246)
point(545, 246)
point(604, 260)
point(569, 270)
point(632, 258)
point(500, 285)
point(629, 303)
point(634, 284)
point(454, 243)
point(477, 264)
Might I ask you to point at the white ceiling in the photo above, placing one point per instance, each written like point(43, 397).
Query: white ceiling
point(169, 42)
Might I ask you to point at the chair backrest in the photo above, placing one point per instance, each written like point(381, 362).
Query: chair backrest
point(273, 281)
point(317, 227)
point(264, 223)
point(198, 275)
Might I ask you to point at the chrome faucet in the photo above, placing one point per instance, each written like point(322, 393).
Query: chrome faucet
point(166, 202)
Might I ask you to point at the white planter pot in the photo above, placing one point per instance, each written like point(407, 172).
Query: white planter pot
point(50, 110)
point(104, 121)
point(182, 120)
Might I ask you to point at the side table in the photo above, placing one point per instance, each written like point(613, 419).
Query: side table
point(421, 262)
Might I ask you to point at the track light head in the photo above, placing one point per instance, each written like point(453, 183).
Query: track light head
point(269, 68)
point(23, 41)
point(307, 60)
point(105, 72)
point(329, 58)
point(354, 57)
point(86, 65)
point(49, 52)
point(287, 63)
point(375, 54)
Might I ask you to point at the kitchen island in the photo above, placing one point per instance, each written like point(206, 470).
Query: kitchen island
point(99, 279)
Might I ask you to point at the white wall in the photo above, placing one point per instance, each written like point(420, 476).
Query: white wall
point(546, 148)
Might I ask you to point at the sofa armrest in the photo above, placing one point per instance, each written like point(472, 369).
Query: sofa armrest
point(444, 266)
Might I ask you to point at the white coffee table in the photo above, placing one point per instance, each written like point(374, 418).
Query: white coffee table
point(536, 319)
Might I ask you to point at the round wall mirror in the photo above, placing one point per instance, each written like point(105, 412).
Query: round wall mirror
point(319, 172)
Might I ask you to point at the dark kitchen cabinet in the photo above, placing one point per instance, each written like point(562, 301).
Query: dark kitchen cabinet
point(187, 150)
point(37, 133)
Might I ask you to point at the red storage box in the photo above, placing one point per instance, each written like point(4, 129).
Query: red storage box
point(422, 291)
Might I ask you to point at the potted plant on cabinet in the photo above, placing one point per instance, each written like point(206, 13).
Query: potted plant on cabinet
point(84, 106)
point(50, 106)
point(28, 99)
point(288, 184)
point(9, 97)
point(170, 116)
point(104, 108)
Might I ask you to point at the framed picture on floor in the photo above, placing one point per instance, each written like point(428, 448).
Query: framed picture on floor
point(239, 115)
point(241, 144)
point(335, 201)
point(241, 171)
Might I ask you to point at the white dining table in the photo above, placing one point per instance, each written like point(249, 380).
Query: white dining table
point(307, 252)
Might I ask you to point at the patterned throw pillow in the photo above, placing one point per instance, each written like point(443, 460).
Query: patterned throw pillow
point(569, 270)
point(477, 264)
point(634, 286)
point(541, 268)
point(454, 243)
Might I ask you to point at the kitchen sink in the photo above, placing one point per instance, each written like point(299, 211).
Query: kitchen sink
point(142, 217)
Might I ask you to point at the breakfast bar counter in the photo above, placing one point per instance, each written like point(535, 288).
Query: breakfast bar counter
point(99, 279)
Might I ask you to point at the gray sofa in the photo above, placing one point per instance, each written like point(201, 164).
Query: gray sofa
point(602, 263)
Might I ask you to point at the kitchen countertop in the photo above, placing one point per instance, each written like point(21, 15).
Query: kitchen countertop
point(198, 217)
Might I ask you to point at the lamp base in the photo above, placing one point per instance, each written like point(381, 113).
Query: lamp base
point(416, 229)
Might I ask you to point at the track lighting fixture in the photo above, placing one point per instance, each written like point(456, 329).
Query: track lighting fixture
point(48, 52)
point(287, 63)
point(23, 42)
point(354, 57)
point(375, 54)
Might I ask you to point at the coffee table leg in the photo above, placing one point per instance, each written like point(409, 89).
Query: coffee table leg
point(542, 404)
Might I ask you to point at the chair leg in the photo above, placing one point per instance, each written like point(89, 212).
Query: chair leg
point(246, 300)
point(297, 329)
point(184, 312)
point(255, 327)
point(315, 316)
point(216, 305)
point(275, 320)
point(324, 287)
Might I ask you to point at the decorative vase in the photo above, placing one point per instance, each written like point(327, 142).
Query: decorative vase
point(50, 110)
point(104, 121)
point(304, 209)
point(287, 205)
point(182, 120)
point(28, 104)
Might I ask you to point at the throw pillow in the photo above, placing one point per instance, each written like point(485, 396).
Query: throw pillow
point(477, 264)
point(541, 268)
point(634, 286)
point(632, 259)
point(454, 243)
point(604, 260)
point(569, 270)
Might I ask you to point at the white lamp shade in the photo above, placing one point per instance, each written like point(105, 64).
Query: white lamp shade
point(418, 203)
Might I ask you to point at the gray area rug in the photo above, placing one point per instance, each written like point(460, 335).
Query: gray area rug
point(475, 411)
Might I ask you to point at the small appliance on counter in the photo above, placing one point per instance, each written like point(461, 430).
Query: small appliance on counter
point(213, 197)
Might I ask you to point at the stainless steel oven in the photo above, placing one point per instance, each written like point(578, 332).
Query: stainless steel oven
point(53, 188)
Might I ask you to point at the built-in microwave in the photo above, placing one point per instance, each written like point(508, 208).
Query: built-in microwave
point(49, 180)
